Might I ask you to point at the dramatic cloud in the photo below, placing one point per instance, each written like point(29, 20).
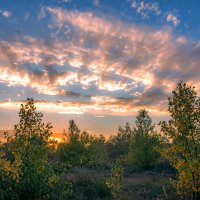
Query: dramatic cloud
point(96, 65)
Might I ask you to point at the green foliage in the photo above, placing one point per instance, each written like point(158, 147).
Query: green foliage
point(63, 188)
point(142, 150)
point(118, 145)
point(72, 151)
point(83, 149)
point(30, 166)
point(97, 152)
point(115, 181)
point(183, 132)
point(24, 169)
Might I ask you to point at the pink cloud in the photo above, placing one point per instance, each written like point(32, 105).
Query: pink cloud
point(6, 13)
point(172, 18)
point(122, 57)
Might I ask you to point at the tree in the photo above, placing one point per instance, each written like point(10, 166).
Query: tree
point(183, 133)
point(118, 144)
point(115, 182)
point(97, 152)
point(83, 149)
point(142, 150)
point(72, 151)
point(73, 131)
point(24, 169)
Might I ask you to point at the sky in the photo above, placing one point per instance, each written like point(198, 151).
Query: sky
point(96, 61)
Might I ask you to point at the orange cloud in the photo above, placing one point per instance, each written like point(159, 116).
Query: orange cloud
point(99, 106)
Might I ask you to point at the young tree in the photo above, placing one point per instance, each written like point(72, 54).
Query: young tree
point(183, 132)
point(115, 182)
point(97, 152)
point(142, 150)
point(25, 173)
point(72, 151)
point(73, 131)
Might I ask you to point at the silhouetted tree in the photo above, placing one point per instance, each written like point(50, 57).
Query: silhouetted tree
point(72, 151)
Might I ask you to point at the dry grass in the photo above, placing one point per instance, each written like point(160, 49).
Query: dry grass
point(146, 185)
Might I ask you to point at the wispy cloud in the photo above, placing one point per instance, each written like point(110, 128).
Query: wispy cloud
point(99, 107)
point(96, 2)
point(64, 1)
point(144, 9)
point(42, 13)
point(172, 18)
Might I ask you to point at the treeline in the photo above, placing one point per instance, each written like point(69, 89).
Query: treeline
point(32, 166)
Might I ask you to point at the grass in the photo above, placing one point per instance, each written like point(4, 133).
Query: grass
point(143, 185)
point(146, 185)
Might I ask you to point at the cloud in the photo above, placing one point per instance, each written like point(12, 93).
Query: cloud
point(109, 66)
point(26, 16)
point(99, 107)
point(96, 2)
point(64, 1)
point(182, 40)
point(6, 13)
point(172, 18)
point(134, 4)
point(42, 13)
point(144, 9)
